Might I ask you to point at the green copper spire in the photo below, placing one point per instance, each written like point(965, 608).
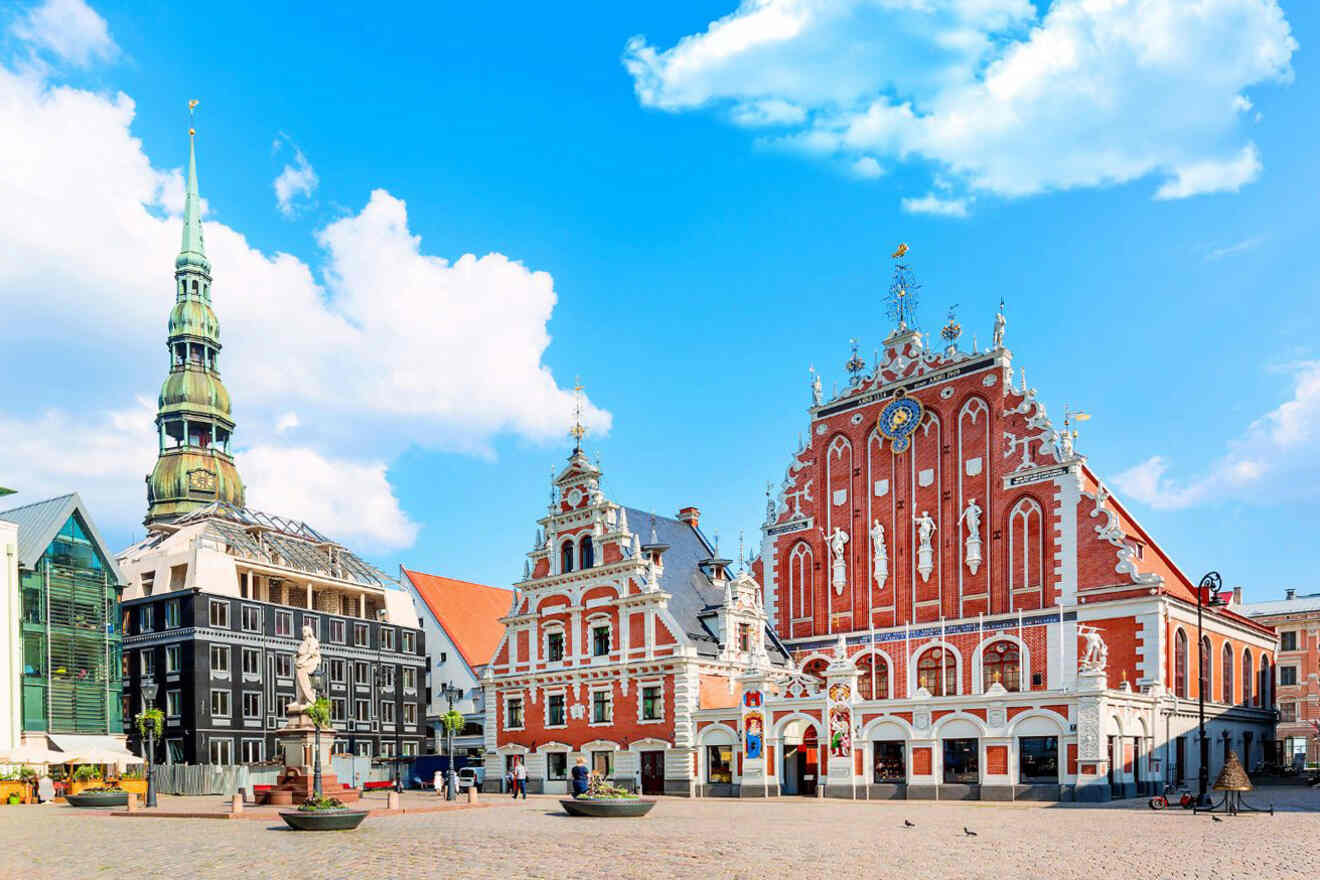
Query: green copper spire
point(194, 426)
point(192, 250)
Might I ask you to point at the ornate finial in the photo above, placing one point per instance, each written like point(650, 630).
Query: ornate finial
point(577, 432)
point(902, 293)
point(192, 110)
point(1070, 418)
point(654, 538)
point(951, 331)
point(855, 364)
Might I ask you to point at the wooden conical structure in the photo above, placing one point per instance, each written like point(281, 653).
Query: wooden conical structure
point(1232, 777)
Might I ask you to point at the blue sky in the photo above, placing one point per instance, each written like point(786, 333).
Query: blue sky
point(687, 221)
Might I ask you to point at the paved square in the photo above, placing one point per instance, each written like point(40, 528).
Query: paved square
point(832, 840)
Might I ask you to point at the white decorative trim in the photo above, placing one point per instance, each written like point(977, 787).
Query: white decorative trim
point(1112, 532)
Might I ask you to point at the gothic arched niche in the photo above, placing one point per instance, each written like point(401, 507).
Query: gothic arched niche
point(1026, 553)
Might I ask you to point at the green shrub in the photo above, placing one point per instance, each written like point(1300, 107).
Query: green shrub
point(87, 773)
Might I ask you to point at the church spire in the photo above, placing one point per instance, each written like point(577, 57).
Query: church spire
point(194, 465)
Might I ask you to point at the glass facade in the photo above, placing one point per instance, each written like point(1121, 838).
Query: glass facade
point(72, 653)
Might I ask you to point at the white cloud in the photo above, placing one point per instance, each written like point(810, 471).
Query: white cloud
point(1234, 249)
point(1212, 175)
point(399, 348)
point(69, 29)
point(992, 93)
point(296, 181)
point(868, 168)
point(287, 422)
point(1274, 458)
point(769, 112)
point(933, 204)
point(346, 500)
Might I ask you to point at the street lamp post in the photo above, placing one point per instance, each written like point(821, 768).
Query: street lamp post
point(451, 778)
point(1213, 583)
point(318, 686)
point(149, 691)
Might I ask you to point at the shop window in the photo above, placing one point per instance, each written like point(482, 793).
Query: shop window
point(937, 672)
point(556, 765)
point(719, 765)
point(602, 763)
point(1001, 664)
point(1038, 759)
point(890, 761)
point(962, 761)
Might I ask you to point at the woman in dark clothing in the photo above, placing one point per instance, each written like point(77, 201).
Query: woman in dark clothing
point(580, 776)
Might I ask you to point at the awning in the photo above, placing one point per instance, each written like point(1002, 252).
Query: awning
point(92, 749)
point(31, 754)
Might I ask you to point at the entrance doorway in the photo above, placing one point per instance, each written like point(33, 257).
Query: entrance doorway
point(1179, 760)
point(653, 772)
point(801, 762)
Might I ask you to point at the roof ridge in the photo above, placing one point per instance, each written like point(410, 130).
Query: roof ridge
point(63, 497)
point(408, 570)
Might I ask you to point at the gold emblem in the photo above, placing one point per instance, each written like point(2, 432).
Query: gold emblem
point(201, 480)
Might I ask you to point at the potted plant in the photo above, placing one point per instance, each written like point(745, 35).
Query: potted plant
point(97, 793)
point(603, 799)
point(16, 786)
point(323, 814)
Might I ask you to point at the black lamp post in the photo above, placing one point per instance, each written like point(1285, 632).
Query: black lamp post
point(1212, 583)
point(318, 686)
point(149, 690)
point(450, 692)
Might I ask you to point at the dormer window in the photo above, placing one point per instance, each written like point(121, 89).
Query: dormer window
point(566, 557)
point(744, 637)
point(586, 553)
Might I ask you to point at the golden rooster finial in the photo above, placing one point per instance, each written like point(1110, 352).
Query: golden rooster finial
point(902, 249)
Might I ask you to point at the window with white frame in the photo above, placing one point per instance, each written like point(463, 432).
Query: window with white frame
point(651, 702)
point(283, 623)
point(220, 661)
point(251, 704)
point(361, 635)
point(173, 659)
point(386, 749)
point(220, 750)
point(146, 618)
point(337, 670)
point(387, 711)
point(602, 705)
point(387, 677)
point(172, 613)
point(364, 749)
point(513, 713)
point(410, 713)
point(387, 638)
point(600, 637)
point(337, 630)
point(362, 711)
point(556, 714)
point(1287, 675)
point(254, 751)
point(251, 619)
point(361, 672)
point(220, 617)
point(147, 663)
point(173, 703)
point(554, 645)
point(220, 704)
point(410, 749)
point(338, 709)
point(284, 665)
point(409, 678)
point(408, 641)
point(252, 662)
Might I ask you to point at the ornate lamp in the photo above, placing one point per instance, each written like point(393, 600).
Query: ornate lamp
point(149, 691)
point(318, 687)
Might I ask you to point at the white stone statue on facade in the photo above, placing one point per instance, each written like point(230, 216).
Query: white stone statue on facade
point(879, 555)
point(839, 566)
point(1096, 656)
point(816, 394)
point(925, 553)
point(1000, 323)
point(305, 664)
point(972, 546)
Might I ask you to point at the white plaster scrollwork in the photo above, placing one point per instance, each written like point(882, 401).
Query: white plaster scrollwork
point(972, 545)
point(925, 553)
point(577, 711)
point(839, 563)
point(1113, 533)
point(989, 380)
point(879, 555)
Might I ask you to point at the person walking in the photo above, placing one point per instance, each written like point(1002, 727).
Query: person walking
point(520, 780)
point(580, 776)
point(508, 781)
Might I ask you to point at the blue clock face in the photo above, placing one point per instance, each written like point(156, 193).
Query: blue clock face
point(898, 420)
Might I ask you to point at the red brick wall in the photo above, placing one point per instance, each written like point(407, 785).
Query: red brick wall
point(626, 728)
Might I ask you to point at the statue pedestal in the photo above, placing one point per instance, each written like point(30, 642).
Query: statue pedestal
point(297, 782)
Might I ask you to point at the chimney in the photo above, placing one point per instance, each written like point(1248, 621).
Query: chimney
point(690, 515)
point(1290, 594)
point(1237, 595)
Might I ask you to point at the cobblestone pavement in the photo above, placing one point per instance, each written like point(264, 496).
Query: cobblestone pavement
point(789, 838)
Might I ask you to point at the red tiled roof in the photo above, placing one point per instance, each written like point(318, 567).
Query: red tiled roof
point(470, 613)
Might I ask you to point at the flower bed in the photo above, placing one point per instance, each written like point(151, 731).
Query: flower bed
point(604, 800)
point(326, 814)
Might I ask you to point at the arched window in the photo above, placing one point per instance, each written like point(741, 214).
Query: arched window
point(874, 681)
point(1265, 682)
point(799, 582)
point(586, 553)
point(816, 669)
point(1227, 675)
point(1001, 663)
point(937, 672)
point(1180, 664)
point(566, 557)
point(1026, 562)
point(1247, 678)
point(1204, 660)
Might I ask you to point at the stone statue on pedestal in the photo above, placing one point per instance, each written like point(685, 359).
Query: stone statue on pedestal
point(305, 664)
point(839, 568)
point(1097, 653)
